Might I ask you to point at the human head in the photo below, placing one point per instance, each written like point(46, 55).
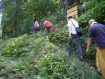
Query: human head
point(91, 21)
point(70, 17)
point(36, 22)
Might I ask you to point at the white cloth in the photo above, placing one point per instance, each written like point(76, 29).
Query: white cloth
point(45, 22)
point(72, 27)
point(36, 24)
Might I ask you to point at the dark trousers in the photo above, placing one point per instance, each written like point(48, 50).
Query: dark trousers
point(76, 37)
point(47, 31)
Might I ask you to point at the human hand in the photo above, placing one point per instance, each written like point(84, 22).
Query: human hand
point(87, 50)
point(70, 37)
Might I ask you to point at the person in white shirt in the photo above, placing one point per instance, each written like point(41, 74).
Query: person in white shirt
point(73, 35)
point(36, 26)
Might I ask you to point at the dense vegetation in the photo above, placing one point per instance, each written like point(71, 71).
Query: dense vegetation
point(28, 58)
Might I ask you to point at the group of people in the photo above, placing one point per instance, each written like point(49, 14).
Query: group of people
point(47, 25)
point(96, 31)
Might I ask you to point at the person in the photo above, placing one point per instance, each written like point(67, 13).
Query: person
point(73, 35)
point(36, 26)
point(47, 25)
point(97, 31)
point(33, 28)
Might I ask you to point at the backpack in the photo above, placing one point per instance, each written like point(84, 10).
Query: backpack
point(36, 27)
point(48, 24)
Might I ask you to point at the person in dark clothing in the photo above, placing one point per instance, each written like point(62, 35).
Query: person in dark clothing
point(97, 31)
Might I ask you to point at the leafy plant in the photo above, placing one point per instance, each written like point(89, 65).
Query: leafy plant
point(44, 60)
point(16, 46)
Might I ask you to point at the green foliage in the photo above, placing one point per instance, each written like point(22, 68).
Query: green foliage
point(15, 16)
point(17, 46)
point(91, 4)
point(81, 9)
point(26, 27)
point(12, 16)
point(60, 35)
point(8, 17)
point(41, 8)
point(61, 16)
point(44, 60)
point(86, 5)
point(99, 12)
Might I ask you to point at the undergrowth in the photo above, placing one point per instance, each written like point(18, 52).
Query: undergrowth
point(32, 57)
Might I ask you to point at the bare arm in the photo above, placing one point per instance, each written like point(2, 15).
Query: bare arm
point(69, 31)
point(88, 44)
point(69, 27)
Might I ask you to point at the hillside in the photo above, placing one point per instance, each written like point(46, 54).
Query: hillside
point(31, 57)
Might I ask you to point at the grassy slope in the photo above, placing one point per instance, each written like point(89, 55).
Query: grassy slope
point(31, 57)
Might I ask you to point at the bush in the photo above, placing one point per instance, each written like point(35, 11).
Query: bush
point(91, 4)
point(26, 27)
point(98, 13)
point(16, 47)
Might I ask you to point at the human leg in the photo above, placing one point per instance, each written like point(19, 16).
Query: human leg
point(80, 52)
point(36, 30)
point(97, 59)
point(70, 44)
point(70, 47)
point(46, 32)
point(102, 61)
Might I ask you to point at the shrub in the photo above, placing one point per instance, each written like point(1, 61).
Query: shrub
point(91, 4)
point(16, 46)
point(99, 12)
point(26, 26)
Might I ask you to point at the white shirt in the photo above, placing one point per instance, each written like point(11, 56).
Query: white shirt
point(72, 27)
point(36, 24)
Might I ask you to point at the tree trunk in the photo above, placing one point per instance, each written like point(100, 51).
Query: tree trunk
point(3, 37)
point(15, 17)
point(66, 4)
point(3, 34)
point(15, 22)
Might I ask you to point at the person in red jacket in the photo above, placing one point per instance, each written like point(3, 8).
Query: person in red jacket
point(47, 25)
